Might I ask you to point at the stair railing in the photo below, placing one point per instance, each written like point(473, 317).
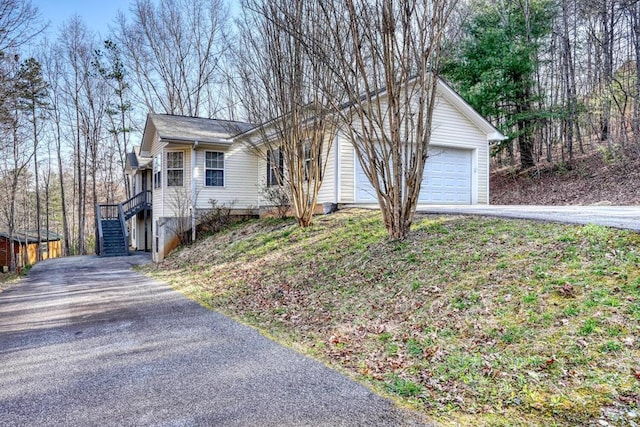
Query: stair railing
point(108, 212)
point(123, 224)
point(99, 231)
point(137, 203)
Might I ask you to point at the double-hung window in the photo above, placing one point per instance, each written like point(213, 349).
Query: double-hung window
point(214, 169)
point(309, 173)
point(175, 169)
point(275, 167)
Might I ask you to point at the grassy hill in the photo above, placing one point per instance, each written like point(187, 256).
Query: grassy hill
point(471, 321)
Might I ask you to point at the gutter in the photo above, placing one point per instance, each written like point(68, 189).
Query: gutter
point(221, 141)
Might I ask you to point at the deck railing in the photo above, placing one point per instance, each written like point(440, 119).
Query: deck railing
point(108, 211)
point(137, 203)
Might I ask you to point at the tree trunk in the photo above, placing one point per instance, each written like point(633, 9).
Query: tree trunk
point(37, 179)
point(63, 203)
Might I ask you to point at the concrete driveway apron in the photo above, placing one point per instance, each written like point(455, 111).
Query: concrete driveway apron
point(86, 341)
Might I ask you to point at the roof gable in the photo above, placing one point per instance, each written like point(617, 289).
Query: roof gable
point(446, 91)
point(134, 160)
point(174, 128)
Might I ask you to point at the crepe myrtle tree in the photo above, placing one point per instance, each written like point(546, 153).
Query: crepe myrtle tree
point(289, 90)
point(384, 56)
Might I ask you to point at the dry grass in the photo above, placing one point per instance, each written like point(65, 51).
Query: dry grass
point(7, 280)
point(473, 321)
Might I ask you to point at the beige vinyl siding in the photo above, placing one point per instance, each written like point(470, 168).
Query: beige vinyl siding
point(347, 170)
point(176, 200)
point(452, 129)
point(240, 177)
point(166, 200)
point(261, 175)
point(157, 149)
point(158, 193)
point(327, 189)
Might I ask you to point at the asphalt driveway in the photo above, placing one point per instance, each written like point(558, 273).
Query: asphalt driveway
point(86, 341)
point(626, 217)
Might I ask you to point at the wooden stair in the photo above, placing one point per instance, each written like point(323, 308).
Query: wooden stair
point(111, 234)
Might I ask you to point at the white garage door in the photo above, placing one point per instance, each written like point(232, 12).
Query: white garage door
point(447, 179)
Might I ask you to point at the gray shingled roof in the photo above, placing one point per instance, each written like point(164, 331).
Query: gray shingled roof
point(183, 128)
point(32, 236)
point(133, 160)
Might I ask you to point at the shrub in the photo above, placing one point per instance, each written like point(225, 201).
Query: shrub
point(278, 197)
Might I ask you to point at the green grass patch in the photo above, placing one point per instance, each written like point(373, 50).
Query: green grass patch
point(474, 321)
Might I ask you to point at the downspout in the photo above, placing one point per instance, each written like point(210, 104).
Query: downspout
point(336, 170)
point(258, 188)
point(488, 183)
point(193, 191)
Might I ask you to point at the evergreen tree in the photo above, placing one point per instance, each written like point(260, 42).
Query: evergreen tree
point(109, 64)
point(494, 67)
point(32, 92)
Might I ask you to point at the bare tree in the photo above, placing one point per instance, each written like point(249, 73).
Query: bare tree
point(20, 23)
point(110, 66)
point(633, 12)
point(569, 80)
point(385, 55)
point(182, 224)
point(16, 155)
point(53, 69)
point(85, 107)
point(284, 82)
point(172, 49)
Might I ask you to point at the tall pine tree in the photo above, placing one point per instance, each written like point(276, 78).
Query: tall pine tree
point(494, 67)
point(32, 92)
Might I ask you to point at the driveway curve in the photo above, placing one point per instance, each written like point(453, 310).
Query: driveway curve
point(625, 217)
point(87, 341)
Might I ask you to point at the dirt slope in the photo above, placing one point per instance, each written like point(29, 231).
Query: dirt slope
point(590, 180)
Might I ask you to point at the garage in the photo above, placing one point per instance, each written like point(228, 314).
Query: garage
point(447, 178)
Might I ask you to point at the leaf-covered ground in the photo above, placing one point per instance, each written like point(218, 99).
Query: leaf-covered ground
point(473, 321)
point(594, 178)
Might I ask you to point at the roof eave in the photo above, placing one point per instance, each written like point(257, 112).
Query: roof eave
point(147, 140)
point(496, 136)
point(178, 140)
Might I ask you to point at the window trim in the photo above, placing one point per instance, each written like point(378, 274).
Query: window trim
point(273, 173)
point(223, 169)
point(308, 158)
point(175, 169)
